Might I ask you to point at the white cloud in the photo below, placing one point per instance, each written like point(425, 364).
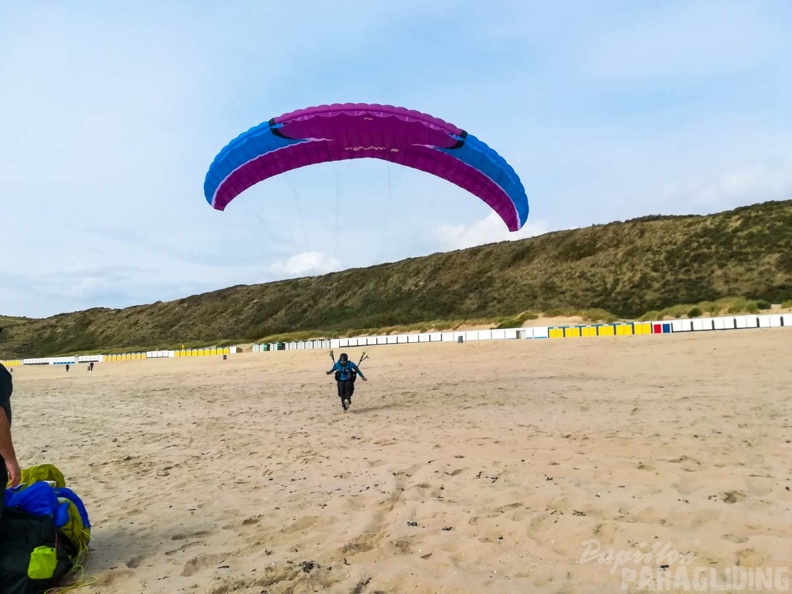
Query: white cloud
point(487, 230)
point(307, 263)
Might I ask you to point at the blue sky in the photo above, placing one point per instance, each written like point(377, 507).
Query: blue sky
point(110, 114)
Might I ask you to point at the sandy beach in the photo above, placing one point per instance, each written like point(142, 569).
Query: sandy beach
point(495, 467)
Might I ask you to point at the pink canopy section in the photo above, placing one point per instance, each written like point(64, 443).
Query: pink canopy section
point(354, 131)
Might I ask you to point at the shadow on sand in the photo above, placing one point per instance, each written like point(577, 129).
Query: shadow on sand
point(366, 409)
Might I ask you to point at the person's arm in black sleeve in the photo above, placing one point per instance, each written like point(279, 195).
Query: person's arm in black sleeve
point(7, 451)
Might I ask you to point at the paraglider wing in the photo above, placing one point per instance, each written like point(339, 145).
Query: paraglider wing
point(353, 131)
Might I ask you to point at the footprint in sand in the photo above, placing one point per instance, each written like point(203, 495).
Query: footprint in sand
point(686, 463)
point(361, 544)
point(134, 561)
point(402, 547)
point(181, 548)
point(306, 522)
point(251, 520)
point(200, 562)
point(110, 577)
point(733, 497)
point(504, 508)
point(185, 535)
point(750, 558)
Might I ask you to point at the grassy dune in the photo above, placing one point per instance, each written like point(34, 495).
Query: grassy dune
point(647, 268)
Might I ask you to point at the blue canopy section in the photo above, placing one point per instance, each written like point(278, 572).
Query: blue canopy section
point(479, 155)
point(256, 142)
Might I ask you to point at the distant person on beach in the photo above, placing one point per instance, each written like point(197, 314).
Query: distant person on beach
point(67, 368)
point(9, 468)
point(346, 373)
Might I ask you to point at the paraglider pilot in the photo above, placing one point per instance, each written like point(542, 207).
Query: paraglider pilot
point(346, 373)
